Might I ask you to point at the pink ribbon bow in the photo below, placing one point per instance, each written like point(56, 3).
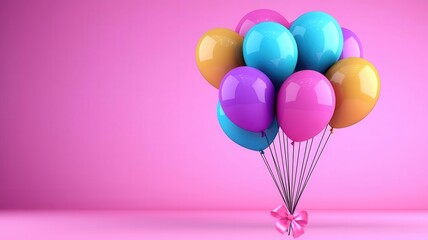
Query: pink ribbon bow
point(296, 221)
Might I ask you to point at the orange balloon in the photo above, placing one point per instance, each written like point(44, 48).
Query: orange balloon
point(356, 84)
point(219, 51)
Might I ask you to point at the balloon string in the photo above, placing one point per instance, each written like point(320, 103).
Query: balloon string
point(311, 170)
point(277, 164)
point(306, 174)
point(284, 165)
point(292, 174)
point(278, 171)
point(287, 165)
point(295, 176)
point(262, 154)
point(281, 150)
point(279, 174)
point(303, 167)
point(306, 163)
point(314, 156)
point(299, 159)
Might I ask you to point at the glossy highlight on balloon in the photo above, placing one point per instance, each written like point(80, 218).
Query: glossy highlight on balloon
point(258, 16)
point(271, 48)
point(247, 96)
point(305, 105)
point(218, 51)
point(356, 83)
point(319, 39)
point(250, 140)
point(352, 46)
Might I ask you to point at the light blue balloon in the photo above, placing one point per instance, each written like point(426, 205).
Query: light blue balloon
point(319, 39)
point(251, 140)
point(270, 47)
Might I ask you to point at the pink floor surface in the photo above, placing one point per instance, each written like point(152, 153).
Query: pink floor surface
point(217, 225)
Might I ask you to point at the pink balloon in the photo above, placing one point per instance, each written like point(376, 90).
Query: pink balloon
point(305, 105)
point(258, 16)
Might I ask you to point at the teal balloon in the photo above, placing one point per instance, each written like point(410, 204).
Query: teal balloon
point(251, 140)
point(319, 39)
point(270, 47)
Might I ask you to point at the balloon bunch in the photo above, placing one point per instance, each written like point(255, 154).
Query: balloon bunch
point(280, 86)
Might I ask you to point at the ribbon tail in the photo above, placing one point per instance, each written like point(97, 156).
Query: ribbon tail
point(282, 225)
point(299, 222)
point(297, 229)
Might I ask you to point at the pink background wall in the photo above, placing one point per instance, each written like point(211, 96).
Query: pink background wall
point(102, 106)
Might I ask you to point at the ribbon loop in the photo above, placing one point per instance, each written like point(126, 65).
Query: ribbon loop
point(286, 220)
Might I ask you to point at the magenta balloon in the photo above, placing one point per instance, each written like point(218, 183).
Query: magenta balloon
point(258, 16)
point(305, 105)
point(351, 45)
point(247, 97)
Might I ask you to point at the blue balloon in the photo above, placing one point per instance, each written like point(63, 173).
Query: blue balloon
point(271, 48)
point(319, 39)
point(251, 140)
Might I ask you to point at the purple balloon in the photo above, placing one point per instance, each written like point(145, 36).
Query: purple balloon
point(258, 16)
point(305, 105)
point(247, 97)
point(351, 45)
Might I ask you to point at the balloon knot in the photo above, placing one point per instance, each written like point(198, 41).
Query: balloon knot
point(292, 143)
point(263, 134)
point(331, 130)
point(262, 152)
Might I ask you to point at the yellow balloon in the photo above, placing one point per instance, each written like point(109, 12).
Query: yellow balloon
point(219, 51)
point(356, 84)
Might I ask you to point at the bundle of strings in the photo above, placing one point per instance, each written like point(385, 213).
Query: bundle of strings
point(291, 165)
